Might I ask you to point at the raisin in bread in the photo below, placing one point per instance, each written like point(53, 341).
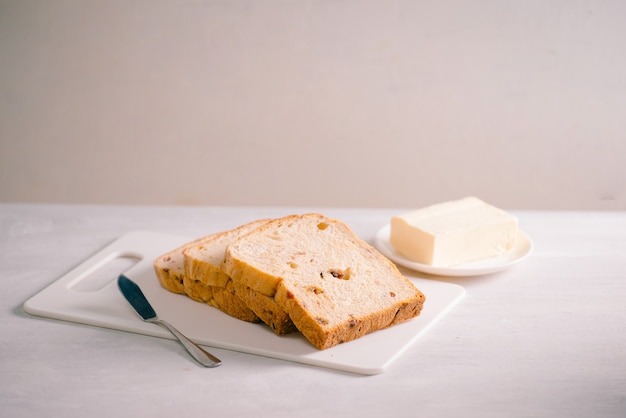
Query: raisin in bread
point(204, 279)
point(333, 286)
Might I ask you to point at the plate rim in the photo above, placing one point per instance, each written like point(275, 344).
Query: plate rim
point(523, 243)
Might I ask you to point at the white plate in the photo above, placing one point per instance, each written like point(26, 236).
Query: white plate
point(523, 247)
point(106, 307)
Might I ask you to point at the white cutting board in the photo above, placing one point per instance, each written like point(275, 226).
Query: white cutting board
point(106, 307)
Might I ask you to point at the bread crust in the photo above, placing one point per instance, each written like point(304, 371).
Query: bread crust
point(265, 308)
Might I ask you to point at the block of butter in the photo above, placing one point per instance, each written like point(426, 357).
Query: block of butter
point(452, 233)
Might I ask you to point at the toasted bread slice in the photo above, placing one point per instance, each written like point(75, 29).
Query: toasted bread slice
point(333, 286)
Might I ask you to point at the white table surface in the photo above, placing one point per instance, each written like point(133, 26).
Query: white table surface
point(546, 338)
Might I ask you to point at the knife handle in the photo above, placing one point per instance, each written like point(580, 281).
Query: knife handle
point(199, 354)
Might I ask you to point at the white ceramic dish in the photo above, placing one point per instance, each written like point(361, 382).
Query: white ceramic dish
point(106, 307)
point(521, 250)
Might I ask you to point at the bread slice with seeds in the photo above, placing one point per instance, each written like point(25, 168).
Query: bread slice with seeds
point(333, 286)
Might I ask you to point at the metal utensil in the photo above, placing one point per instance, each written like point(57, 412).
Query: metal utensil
point(138, 301)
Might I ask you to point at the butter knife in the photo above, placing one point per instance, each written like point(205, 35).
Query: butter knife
point(138, 301)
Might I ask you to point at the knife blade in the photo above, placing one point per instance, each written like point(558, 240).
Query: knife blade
point(136, 298)
point(139, 302)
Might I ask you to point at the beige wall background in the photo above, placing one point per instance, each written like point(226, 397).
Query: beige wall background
point(348, 103)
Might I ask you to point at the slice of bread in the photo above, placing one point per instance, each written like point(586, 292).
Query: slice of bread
point(333, 286)
point(204, 279)
point(169, 268)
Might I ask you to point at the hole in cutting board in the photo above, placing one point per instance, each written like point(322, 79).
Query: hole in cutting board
point(105, 274)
